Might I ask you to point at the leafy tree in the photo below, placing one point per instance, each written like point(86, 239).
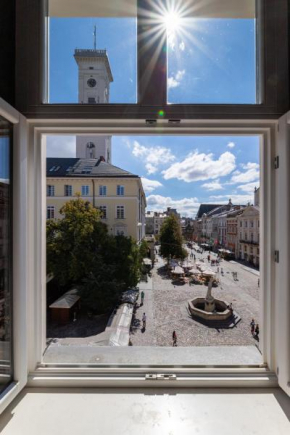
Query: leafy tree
point(80, 252)
point(144, 248)
point(171, 239)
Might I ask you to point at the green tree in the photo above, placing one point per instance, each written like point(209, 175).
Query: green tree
point(171, 239)
point(143, 249)
point(80, 252)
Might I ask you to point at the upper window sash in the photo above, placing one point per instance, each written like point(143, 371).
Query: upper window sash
point(32, 43)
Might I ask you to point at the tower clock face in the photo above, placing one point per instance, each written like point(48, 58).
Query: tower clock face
point(91, 83)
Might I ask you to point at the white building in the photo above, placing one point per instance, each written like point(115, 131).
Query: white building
point(248, 228)
point(94, 78)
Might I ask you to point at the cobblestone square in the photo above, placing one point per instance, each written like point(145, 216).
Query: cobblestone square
point(165, 305)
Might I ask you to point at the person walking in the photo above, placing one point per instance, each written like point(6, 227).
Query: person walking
point(257, 331)
point(144, 318)
point(252, 324)
point(142, 297)
point(174, 339)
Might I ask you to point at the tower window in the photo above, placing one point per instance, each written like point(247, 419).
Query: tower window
point(91, 100)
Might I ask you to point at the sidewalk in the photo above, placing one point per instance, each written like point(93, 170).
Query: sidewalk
point(138, 336)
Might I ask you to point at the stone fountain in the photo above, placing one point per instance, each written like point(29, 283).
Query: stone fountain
point(209, 308)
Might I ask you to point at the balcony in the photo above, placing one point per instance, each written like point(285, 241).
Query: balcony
point(249, 242)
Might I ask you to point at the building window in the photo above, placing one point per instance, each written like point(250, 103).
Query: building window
point(120, 212)
point(103, 190)
point(85, 190)
point(252, 237)
point(67, 190)
point(252, 224)
point(120, 190)
point(246, 224)
point(50, 190)
point(50, 212)
point(241, 223)
point(91, 100)
point(103, 210)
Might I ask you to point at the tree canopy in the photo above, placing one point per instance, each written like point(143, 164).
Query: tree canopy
point(171, 239)
point(80, 252)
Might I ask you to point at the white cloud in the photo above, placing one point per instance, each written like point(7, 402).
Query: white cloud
point(236, 199)
point(4, 180)
point(60, 146)
point(175, 80)
point(185, 206)
point(150, 185)
point(153, 157)
point(252, 173)
point(249, 187)
point(182, 46)
point(200, 166)
point(231, 145)
point(213, 185)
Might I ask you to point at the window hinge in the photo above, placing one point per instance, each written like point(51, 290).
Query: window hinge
point(276, 162)
point(151, 122)
point(174, 121)
point(276, 256)
point(160, 377)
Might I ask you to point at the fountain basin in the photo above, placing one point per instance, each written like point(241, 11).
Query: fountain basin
point(197, 308)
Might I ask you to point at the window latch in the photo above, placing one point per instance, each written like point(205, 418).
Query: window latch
point(174, 121)
point(276, 256)
point(276, 162)
point(160, 377)
point(151, 122)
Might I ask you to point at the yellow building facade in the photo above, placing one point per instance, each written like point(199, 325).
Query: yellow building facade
point(117, 193)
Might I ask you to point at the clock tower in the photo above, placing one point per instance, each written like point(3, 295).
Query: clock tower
point(94, 80)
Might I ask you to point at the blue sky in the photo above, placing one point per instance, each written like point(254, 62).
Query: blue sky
point(4, 159)
point(183, 172)
point(209, 61)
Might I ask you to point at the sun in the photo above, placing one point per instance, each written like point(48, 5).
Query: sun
point(172, 22)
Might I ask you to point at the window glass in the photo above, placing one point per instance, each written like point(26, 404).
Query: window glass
point(68, 190)
point(85, 190)
point(5, 254)
point(103, 190)
point(50, 190)
point(92, 55)
point(50, 212)
point(202, 185)
point(120, 190)
point(212, 52)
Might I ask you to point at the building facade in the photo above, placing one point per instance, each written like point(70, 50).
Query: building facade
point(248, 227)
point(118, 194)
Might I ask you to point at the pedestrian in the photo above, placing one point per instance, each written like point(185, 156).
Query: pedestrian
point(142, 297)
point(257, 331)
point(208, 258)
point(144, 321)
point(218, 270)
point(252, 324)
point(194, 256)
point(174, 339)
point(222, 271)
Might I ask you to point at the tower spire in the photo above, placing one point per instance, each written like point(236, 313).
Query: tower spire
point(95, 37)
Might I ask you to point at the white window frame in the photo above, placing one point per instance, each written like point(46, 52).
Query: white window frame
point(102, 190)
point(122, 207)
point(50, 208)
point(33, 266)
point(68, 187)
point(120, 190)
point(86, 188)
point(103, 207)
point(50, 190)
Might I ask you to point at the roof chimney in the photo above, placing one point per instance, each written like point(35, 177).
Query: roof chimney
point(102, 159)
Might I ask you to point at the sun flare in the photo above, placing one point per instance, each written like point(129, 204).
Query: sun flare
point(172, 22)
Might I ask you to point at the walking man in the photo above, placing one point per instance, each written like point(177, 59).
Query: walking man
point(174, 339)
point(144, 321)
point(252, 324)
point(142, 297)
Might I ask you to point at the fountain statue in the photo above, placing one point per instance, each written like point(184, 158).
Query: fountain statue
point(209, 304)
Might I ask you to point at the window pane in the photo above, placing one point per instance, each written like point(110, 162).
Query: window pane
point(92, 53)
point(5, 254)
point(212, 55)
point(209, 185)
